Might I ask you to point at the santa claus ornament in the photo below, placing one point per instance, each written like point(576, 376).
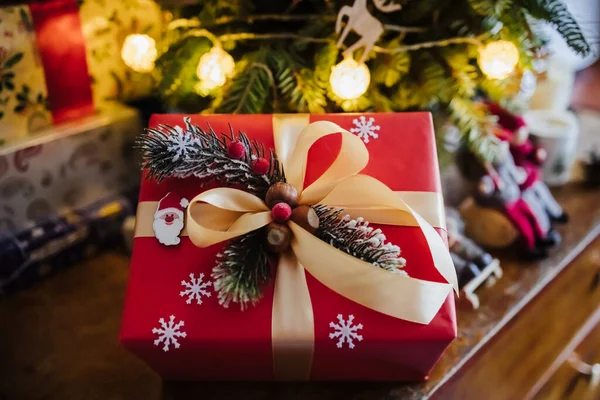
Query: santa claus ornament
point(529, 157)
point(499, 189)
point(169, 219)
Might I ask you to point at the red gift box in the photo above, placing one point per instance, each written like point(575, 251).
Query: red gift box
point(229, 344)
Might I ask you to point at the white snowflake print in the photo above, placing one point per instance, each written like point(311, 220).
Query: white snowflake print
point(182, 143)
point(346, 331)
point(168, 333)
point(195, 289)
point(365, 129)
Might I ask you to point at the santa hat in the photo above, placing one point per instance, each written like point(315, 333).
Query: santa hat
point(506, 119)
point(172, 202)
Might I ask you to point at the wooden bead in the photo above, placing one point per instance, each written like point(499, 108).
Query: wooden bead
point(306, 217)
point(281, 192)
point(278, 237)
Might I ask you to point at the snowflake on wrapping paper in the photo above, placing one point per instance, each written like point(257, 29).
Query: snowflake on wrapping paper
point(346, 331)
point(168, 333)
point(365, 129)
point(182, 143)
point(195, 289)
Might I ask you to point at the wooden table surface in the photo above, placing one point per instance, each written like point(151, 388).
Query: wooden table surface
point(58, 340)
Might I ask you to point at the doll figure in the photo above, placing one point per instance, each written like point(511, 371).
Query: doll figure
point(469, 259)
point(499, 188)
point(529, 157)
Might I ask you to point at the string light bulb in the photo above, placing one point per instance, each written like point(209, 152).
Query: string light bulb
point(139, 52)
point(498, 59)
point(349, 79)
point(214, 68)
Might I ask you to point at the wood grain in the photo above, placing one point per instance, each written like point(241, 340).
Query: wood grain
point(567, 383)
point(520, 354)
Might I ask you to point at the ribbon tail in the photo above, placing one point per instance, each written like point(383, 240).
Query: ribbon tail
point(395, 295)
point(292, 328)
point(439, 252)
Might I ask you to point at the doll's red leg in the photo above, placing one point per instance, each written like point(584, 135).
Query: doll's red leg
point(519, 219)
point(537, 228)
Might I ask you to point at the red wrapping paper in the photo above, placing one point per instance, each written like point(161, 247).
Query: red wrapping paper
point(229, 344)
point(62, 49)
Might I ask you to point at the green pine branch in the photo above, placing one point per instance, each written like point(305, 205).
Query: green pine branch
point(325, 58)
point(297, 83)
point(249, 90)
point(177, 69)
point(473, 121)
point(489, 7)
point(388, 69)
point(557, 14)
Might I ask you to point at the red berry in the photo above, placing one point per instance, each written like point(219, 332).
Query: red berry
point(281, 212)
point(261, 166)
point(236, 150)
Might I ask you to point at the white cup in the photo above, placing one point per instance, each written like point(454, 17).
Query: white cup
point(557, 132)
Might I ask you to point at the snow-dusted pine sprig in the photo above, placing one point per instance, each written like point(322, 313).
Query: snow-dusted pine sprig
point(357, 238)
point(242, 269)
point(176, 152)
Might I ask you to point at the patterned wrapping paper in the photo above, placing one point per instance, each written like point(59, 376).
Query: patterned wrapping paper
point(23, 92)
point(101, 26)
point(67, 166)
point(105, 25)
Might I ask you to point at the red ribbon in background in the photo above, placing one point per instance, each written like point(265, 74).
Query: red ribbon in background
point(61, 45)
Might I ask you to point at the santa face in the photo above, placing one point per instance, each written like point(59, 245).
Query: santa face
point(167, 226)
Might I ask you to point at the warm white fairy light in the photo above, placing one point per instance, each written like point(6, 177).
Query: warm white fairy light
point(349, 80)
point(498, 59)
point(214, 68)
point(139, 52)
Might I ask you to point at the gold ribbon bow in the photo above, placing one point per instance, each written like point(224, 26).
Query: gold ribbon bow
point(221, 214)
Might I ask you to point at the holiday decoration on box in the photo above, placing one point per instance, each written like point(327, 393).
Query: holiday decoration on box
point(67, 166)
point(290, 247)
point(45, 42)
point(56, 243)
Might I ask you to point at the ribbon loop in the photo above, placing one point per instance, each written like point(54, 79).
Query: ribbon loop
point(352, 158)
point(222, 214)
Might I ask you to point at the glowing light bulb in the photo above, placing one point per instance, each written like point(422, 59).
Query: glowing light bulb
point(498, 59)
point(139, 52)
point(349, 79)
point(214, 68)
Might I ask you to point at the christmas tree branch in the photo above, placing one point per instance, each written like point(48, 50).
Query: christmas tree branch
point(248, 92)
point(271, 36)
point(176, 152)
point(251, 19)
point(357, 238)
point(263, 67)
point(556, 13)
point(242, 270)
point(428, 45)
